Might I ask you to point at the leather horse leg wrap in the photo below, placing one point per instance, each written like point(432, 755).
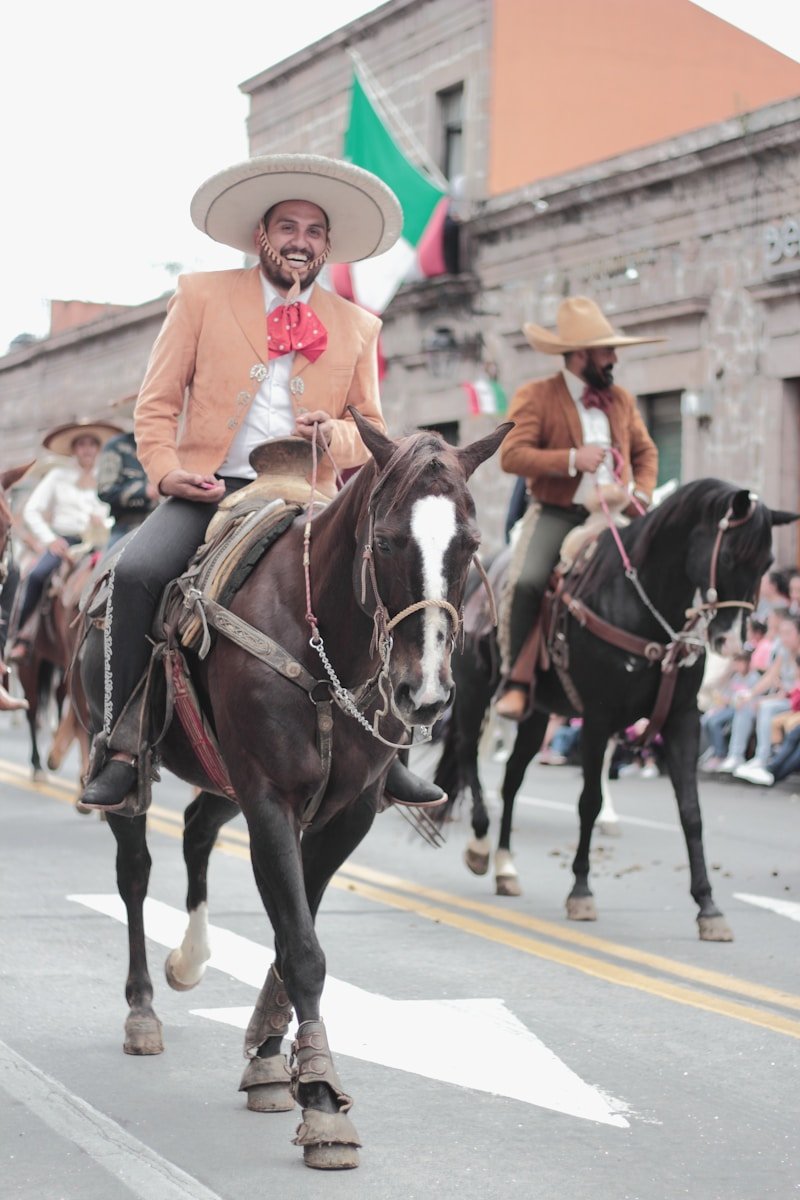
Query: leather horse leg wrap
point(312, 1063)
point(267, 1080)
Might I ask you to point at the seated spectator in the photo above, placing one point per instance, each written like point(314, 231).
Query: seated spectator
point(794, 593)
point(716, 671)
point(759, 643)
point(716, 721)
point(774, 593)
point(756, 707)
point(630, 759)
point(563, 744)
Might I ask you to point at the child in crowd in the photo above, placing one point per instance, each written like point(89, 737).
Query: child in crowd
point(756, 706)
point(716, 721)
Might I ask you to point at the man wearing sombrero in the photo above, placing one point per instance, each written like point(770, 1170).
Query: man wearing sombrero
point(61, 509)
point(245, 356)
point(566, 427)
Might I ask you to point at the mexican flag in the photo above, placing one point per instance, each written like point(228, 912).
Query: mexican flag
point(485, 396)
point(418, 252)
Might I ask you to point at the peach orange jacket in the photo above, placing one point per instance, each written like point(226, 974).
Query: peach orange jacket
point(198, 382)
point(547, 427)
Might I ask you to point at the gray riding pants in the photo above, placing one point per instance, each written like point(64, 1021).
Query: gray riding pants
point(157, 552)
point(540, 542)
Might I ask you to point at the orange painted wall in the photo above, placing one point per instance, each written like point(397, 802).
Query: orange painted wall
point(577, 81)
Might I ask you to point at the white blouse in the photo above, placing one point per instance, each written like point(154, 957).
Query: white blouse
point(57, 507)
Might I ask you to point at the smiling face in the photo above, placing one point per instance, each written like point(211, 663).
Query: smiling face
point(297, 232)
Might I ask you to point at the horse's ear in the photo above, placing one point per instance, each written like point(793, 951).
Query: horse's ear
point(740, 505)
point(782, 518)
point(379, 445)
point(477, 452)
point(14, 474)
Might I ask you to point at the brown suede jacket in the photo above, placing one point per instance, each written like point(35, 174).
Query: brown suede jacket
point(547, 427)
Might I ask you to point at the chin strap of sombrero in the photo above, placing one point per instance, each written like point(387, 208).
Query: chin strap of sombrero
point(283, 264)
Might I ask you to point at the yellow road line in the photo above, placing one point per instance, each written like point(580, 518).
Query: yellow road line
point(234, 843)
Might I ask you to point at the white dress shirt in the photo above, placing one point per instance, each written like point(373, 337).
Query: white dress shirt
point(596, 431)
point(271, 414)
point(57, 507)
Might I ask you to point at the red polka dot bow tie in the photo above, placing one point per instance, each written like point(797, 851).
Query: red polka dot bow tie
point(594, 399)
point(296, 327)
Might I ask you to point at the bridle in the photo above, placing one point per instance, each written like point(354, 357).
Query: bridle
point(371, 603)
point(707, 609)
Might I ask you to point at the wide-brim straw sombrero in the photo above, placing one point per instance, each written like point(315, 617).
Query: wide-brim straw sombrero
point(60, 439)
point(580, 325)
point(364, 214)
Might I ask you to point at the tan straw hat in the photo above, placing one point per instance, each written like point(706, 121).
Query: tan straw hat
point(580, 325)
point(364, 214)
point(60, 439)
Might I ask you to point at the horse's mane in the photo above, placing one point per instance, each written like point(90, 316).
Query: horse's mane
point(419, 455)
point(702, 502)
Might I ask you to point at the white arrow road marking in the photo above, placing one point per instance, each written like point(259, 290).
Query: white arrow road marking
point(786, 908)
point(476, 1044)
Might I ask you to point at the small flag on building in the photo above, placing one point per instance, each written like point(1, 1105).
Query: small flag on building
point(417, 253)
point(485, 396)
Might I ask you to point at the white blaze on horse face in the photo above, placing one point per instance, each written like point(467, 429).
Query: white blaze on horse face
point(433, 527)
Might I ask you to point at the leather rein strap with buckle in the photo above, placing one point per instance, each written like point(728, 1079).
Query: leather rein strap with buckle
point(683, 647)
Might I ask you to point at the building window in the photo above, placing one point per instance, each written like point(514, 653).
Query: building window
point(451, 126)
point(662, 416)
point(448, 429)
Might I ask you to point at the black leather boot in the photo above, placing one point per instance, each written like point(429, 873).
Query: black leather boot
point(108, 792)
point(404, 787)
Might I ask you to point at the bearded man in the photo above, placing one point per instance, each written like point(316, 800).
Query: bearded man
point(573, 431)
point(245, 356)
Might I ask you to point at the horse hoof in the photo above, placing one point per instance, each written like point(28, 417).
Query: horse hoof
point(53, 763)
point(176, 984)
point(267, 1082)
point(38, 775)
point(581, 908)
point(329, 1140)
point(330, 1158)
point(143, 1035)
point(714, 929)
point(507, 885)
point(269, 1097)
point(476, 855)
point(610, 828)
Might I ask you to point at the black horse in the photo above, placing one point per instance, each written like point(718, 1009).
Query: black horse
point(708, 538)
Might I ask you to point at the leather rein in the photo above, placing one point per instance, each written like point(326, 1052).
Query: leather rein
point(684, 646)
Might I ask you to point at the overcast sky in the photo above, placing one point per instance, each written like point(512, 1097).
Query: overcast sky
point(113, 115)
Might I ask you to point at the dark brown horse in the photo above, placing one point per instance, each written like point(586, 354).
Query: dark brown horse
point(709, 540)
point(389, 558)
point(9, 575)
point(42, 672)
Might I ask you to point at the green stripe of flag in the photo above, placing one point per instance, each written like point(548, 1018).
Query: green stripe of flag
point(369, 144)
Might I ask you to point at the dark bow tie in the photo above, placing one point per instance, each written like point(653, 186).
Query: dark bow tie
point(591, 398)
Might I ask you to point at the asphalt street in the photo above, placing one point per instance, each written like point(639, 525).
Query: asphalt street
point(494, 1049)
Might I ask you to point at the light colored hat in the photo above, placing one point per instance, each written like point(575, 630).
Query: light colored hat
point(60, 439)
point(580, 325)
point(364, 214)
